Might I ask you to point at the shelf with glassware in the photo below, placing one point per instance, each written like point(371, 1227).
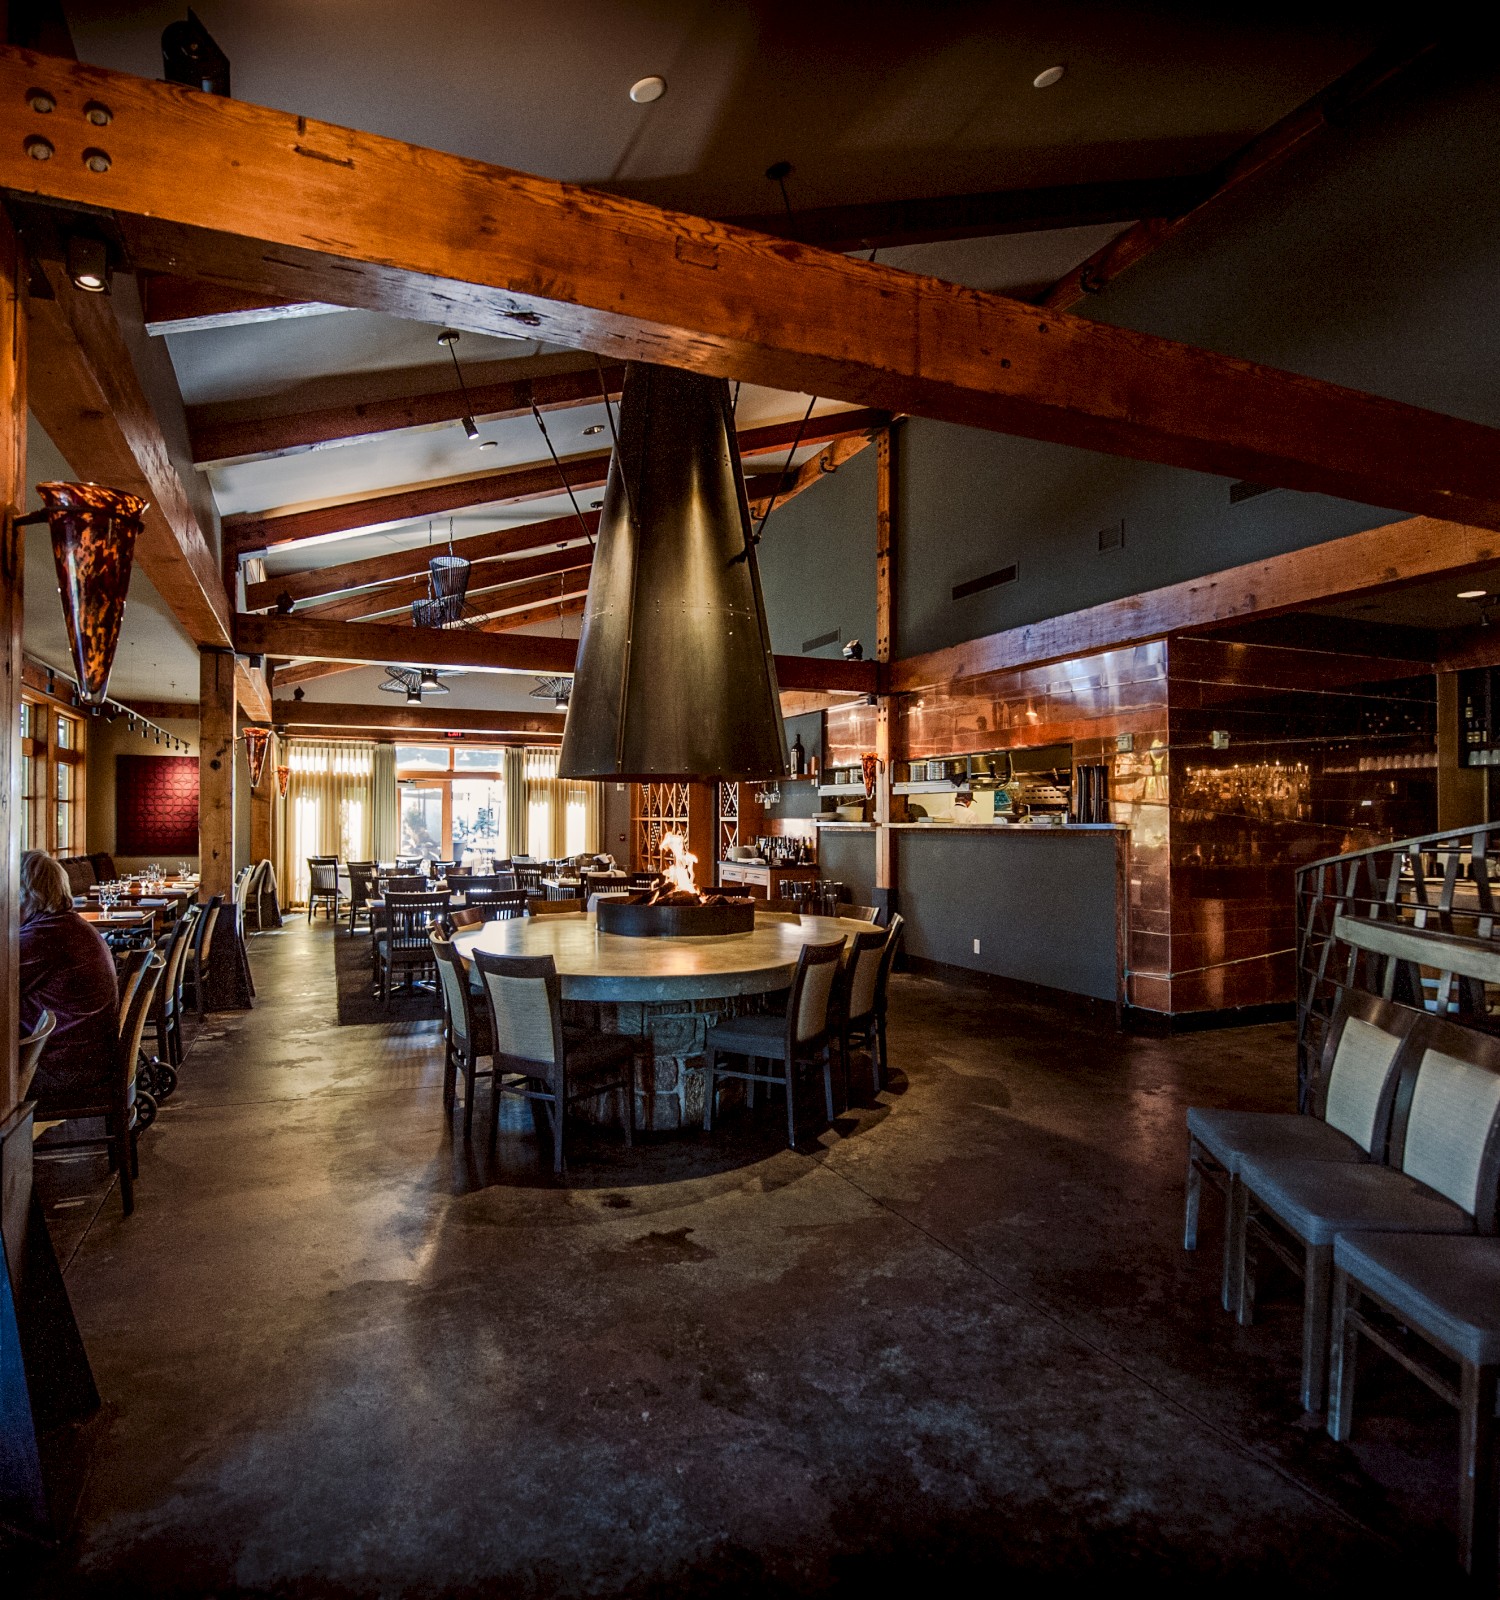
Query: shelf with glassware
point(995, 788)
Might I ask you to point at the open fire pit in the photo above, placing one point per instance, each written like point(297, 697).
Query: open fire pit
point(676, 910)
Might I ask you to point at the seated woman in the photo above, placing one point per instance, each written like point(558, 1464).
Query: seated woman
point(66, 968)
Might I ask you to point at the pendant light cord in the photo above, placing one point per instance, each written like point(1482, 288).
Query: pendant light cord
point(458, 372)
point(561, 474)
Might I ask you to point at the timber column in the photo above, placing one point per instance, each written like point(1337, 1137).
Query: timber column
point(885, 621)
point(12, 571)
point(216, 770)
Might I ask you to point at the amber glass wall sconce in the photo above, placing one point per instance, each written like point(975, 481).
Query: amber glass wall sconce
point(257, 742)
point(283, 778)
point(94, 530)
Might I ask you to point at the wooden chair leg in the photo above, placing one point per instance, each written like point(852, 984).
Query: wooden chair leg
point(1316, 1285)
point(470, 1070)
point(1477, 1515)
point(753, 1062)
point(828, 1078)
point(1343, 1355)
point(627, 1110)
point(710, 1065)
point(883, 1069)
point(1193, 1193)
point(119, 1151)
point(791, 1116)
point(1233, 1238)
point(558, 1110)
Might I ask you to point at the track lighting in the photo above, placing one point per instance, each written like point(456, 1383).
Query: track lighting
point(88, 263)
point(471, 428)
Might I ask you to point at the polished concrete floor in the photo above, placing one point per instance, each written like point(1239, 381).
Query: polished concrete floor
point(955, 1339)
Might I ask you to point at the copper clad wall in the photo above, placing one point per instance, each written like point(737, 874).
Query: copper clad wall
point(675, 676)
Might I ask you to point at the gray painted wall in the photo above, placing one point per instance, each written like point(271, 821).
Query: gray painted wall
point(849, 859)
point(1040, 902)
point(817, 563)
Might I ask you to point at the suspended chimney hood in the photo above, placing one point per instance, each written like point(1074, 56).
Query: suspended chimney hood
point(674, 677)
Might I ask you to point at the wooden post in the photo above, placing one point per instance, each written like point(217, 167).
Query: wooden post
point(260, 814)
point(885, 621)
point(216, 763)
point(12, 571)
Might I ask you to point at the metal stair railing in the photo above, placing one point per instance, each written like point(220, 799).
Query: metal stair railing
point(1351, 910)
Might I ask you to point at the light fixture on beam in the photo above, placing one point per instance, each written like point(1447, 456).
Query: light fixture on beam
point(449, 338)
point(88, 263)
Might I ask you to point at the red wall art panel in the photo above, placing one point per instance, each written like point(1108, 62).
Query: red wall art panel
point(156, 805)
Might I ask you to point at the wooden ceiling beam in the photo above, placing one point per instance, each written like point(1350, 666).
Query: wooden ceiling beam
point(264, 438)
point(84, 391)
point(508, 485)
point(251, 691)
point(1261, 156)
point(377, 643)
point(489, 579)
point(429, 717)
point(216, 188)
point(190, 305)
point(889, 224)
point(412, 563)
point(1379, 559)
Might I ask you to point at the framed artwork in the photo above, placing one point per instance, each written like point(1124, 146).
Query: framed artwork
point(156, 805)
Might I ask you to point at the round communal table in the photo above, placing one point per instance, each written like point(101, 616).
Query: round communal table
point(668, 991)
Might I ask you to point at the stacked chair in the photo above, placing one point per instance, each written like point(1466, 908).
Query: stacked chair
point(1384, 1202)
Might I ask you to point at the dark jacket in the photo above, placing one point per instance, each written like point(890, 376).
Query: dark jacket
point(66, 968)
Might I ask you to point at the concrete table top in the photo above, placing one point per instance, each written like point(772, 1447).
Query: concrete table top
point(610, 967)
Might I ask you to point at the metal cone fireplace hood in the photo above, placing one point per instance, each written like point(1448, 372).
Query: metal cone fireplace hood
point(675, 676)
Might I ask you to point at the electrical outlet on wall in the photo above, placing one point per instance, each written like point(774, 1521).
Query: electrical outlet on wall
point(976, 947)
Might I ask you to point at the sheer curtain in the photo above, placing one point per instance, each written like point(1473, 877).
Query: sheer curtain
point(514, 769)
point(562, 814)
point(385, 806)
point(329, 808)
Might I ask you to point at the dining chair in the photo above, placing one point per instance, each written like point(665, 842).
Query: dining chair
point(404, 883)
point(1353, 1097)
point(1410, 1295)
point(643, 880)
point(167, 1010)
point(536, 1058)
point(203, 941)
point(408, 863)
point(803, 1033)
point(402, 944)
point(323, 885)
point(555, 908)
point(497, 905)
point(529, 879)
point(31, 1048)
point(1441, 1178)
point(858, 993)
point(862, 914)
point(466, 1026)
point(124, 1109)
point(362, 875)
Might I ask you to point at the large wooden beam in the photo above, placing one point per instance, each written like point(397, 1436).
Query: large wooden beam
point(1388, 557)
point(429, 717)
point(376, 643)
point(250, 690)
point(86, 395)
point(207, 186)
point(1260, 157)
point(259, 438)
point(888, 224)
point(187, 305)
point(508, 485)
point(559, 578)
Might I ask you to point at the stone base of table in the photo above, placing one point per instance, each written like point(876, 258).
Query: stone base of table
point(669, 1078)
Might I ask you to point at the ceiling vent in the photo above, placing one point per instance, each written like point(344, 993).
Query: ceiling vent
point(991, 580)
point(1112, 537)
point(1247, 491)
point(823, 639)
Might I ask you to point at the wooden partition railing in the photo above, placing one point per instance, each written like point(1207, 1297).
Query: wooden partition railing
point(1413, 921)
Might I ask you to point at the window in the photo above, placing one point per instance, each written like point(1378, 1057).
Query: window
point(448, 816)
point(52, 778)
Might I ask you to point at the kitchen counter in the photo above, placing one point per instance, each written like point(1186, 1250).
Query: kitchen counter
point(1026, 828)
point(765, 876)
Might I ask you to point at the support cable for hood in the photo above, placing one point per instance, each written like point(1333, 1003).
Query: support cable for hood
point(561, 474)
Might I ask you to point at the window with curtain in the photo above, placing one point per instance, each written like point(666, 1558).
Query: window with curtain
point(328, 806)
point(562, 815)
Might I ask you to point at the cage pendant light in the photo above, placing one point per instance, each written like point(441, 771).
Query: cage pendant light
point(674, 674)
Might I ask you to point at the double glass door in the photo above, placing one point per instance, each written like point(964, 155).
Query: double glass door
point(449, 819)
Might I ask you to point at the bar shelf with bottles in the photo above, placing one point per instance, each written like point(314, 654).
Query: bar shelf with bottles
point(1479, 717)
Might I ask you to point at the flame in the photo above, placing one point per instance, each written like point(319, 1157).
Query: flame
point(678, 863)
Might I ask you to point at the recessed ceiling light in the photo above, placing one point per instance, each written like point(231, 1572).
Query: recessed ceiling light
point(593, 428)
point(1472, 594)
point(1043, 80)
point(489, 444)
point(594, 505)
point(644, 90)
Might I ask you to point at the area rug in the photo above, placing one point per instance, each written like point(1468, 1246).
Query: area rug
point(358, 1001)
